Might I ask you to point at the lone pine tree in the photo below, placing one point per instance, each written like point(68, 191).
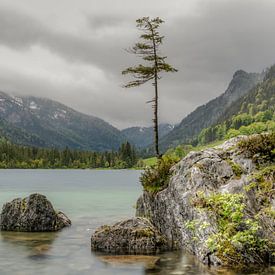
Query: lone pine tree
point(148, 50)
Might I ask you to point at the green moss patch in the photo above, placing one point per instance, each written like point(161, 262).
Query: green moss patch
point(263, 185)
point(238, 237)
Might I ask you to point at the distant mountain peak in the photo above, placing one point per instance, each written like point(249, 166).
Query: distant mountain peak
point(240, 73)
point(208, 114)
point(144, 136)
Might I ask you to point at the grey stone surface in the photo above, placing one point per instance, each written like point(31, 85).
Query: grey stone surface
point(207, 171)
point(32, 214)
point(133, 236)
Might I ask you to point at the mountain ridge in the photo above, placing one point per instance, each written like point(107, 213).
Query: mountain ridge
point(42, 122)
point(56, 125)
point(208, 114)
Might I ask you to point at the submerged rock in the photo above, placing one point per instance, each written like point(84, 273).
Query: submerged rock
point(133, 236)
point(32, 214)
point(219, 205)
point(149, 262)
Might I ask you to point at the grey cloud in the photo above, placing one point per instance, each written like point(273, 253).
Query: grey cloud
point(21, 31)
point(207, 46)
point(105, 21)
point(18, 30)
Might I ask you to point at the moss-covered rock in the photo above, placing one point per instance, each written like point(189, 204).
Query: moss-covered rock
point(32, 214)
point(219, 203)
point(239, 238)
point(133, 236)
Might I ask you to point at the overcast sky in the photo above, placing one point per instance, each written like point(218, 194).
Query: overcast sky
point(73, 51)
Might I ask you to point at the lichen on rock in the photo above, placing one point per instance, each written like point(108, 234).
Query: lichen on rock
point(32, 214)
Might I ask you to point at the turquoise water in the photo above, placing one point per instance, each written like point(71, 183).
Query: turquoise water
point(90, 198)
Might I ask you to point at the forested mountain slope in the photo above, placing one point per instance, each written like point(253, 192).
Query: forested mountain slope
point(212, 112)
point(251, 114)
point(42, 122)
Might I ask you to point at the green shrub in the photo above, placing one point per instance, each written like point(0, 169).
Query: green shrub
point(262, 184)
point(241, 120)
point(236, 168)
point(264, 116)
point(232, 133)
point(262, 146)
point(179, 152)
point(155, 178)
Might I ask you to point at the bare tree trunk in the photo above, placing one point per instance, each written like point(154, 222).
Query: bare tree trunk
point(155, 106)
point(155, 120)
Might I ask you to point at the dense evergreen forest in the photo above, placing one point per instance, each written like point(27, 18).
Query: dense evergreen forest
point(16, 156)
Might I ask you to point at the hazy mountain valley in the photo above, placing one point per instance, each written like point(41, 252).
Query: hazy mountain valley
point(140, 145)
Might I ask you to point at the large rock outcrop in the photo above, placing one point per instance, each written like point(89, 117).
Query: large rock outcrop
point(32, 214)
point(133, 236)
point(219, 205)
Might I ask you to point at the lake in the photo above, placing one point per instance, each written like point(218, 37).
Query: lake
point(90, 198)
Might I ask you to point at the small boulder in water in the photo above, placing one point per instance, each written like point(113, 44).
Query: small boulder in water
point(32, 214)
point(133, 236)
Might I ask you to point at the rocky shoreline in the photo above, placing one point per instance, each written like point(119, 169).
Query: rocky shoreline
point(219, 205)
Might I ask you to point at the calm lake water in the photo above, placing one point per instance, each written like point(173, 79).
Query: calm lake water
point(90, 198)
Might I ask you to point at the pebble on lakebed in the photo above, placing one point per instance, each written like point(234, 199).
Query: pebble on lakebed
point(34, 213)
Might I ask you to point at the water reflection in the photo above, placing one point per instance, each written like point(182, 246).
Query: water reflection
point(169, 263)
point(50, 251)
point(178, 263)
point(183, 263)
point(37, 245)
point(175, 262)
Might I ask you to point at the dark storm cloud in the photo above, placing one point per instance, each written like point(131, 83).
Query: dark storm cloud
point(207, 45)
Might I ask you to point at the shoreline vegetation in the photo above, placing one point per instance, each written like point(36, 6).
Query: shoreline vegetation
point(14, 156)
point(93, 160)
